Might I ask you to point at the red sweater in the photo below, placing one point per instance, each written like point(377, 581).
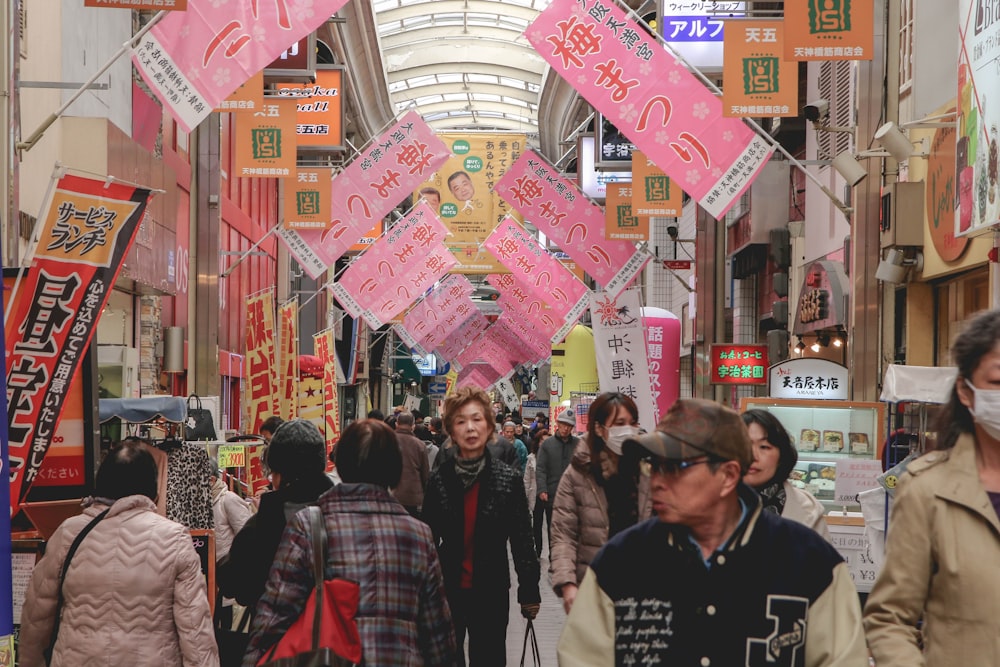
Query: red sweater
point(469, 533)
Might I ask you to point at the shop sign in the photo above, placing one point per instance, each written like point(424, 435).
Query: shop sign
point(265, 140)
point(739, 364)
point(941, 195)
point(621, 222)
point(319, 109)
point(765, 84)
point(830, 30)
point(307, 199)
point(653, 193)
point(808, 378)
point(248, 97)
point(821, 299)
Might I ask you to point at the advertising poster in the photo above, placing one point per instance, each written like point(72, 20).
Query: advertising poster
point(621, 222)
point(461, 191)
point(830, 30)
point(86, 233)
point(265, 141)
point(666, 111)
point(262, 398)
point(307, 199)
point(288, 359)
point(763, 82)
point(331, 409)
point(978, 118)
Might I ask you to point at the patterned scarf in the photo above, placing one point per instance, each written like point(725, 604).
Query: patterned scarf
point(772, 497)
point(468, 470)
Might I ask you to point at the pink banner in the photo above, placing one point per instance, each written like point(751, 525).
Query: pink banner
point(663, 346)
point(516, 299)
point(554, 205)
point(404, 263)
point(380, 177)
point(652, 98)
point(462, 337)
point(539, 271)
point(428, 321)
point(192, 60)
point(522, 338)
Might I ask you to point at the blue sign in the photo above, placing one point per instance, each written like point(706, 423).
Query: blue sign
point(437, 388)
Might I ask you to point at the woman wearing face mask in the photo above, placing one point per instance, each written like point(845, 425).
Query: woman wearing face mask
point(773, 460)
point(599, 495)
point(943, 541)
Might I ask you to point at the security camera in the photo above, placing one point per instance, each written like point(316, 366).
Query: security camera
point(672, 231)
point(818, 110)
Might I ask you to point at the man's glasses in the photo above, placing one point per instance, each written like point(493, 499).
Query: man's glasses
point(675, 466)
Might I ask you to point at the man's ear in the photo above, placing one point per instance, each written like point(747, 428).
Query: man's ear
point(965, 395)
point(732, 474)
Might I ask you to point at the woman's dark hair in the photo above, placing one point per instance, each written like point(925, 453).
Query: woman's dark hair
point(777, 436)
point(127, 470)
point(981, 335)
point(297, 451)
point(368, 453)
point(271, 424)
point(602, 409)
point(541, 435)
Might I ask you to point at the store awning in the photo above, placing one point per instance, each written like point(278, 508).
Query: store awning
point(923, 384)
point(140, 410)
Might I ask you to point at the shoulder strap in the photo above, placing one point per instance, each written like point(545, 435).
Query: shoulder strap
point(318, 534)
point(65, 568)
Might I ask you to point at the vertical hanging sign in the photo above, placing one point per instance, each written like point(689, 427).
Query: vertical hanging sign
point(331, 410)
point(288, 359)
point(262, 390)
point(763, 82)
point(307, 199)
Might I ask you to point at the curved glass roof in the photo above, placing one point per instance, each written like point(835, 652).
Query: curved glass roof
point(462, 64)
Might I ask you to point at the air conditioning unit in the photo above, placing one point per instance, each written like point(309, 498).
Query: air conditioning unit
point(118, 371)
point(902, 218)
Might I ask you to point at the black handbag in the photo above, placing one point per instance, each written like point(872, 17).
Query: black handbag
point(199, 424)
point(62, 577)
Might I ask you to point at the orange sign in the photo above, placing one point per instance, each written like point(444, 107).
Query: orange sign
point(829, 30)
point(653, 193)
point(320, 112)
point(368, 239)
point(620, 223)
point(248, 97)
point(265, 140)
point(940, 202)
point(307, 199)
point(759, 81)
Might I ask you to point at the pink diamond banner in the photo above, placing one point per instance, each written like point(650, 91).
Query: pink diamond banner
point(192, 60)
point(554, 205)
point(652, 98)
point(539, 271)
point(403, 264)
point(522, 338)
point(516, 298)
point(427, 321)
point(469, 331)
point(380, 177)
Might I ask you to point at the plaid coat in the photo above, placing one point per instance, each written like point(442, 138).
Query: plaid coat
point(502, 515)
point(403, 616)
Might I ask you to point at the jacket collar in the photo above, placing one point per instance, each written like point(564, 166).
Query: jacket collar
point(962, 486)
point(679, 535)
point(128, 503)
point(361, 498)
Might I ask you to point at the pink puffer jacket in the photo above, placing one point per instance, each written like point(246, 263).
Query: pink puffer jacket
point(134, 594)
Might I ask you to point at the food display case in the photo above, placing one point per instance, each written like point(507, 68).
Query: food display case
point(825, 432)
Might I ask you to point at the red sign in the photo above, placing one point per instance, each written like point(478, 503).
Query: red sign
point(739, 364)
point(677, 264)
point(86, 234)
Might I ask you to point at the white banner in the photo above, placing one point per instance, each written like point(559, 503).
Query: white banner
point(620, 348)
point(507, 393)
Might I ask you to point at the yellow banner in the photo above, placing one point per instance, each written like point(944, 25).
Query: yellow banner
point(653, 193)
point(307, 199)
point(265, 141)
point(248, 97)
point(829, 30)
point(759, 81)
point(462, 193)
point(319, 113)
point(261, 379)
point(326, 351)
point(288, 359)
point(620, 223)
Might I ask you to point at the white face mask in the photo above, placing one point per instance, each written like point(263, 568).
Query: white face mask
point(986, 409)
point(618, 435)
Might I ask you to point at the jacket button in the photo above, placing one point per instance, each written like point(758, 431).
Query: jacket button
point(721, 560)
point(705, 662)
point(710, 610)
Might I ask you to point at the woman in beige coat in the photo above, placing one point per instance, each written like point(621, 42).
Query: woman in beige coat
point(597, 497)
point(134, 594)
point(943, 539)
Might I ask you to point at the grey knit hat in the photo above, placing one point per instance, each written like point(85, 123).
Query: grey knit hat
point(297, 450)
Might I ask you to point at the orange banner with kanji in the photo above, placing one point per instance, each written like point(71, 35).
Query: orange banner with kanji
point(653, 193)
point(759, 81)
point(248, 97)
point(307, 199)
point(620, 221)
point(326, 351)
point(829, 30)
point(265, 140)
point(319, 113)
point(288, 359)
point(261, 361)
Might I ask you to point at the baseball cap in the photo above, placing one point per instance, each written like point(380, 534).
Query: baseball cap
point(567, 417)
point(694, 427)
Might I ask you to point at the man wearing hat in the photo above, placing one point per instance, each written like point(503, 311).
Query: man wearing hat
point(551, 461)
point(712, 580)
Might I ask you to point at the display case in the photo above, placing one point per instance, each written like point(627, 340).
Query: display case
point(824, 433)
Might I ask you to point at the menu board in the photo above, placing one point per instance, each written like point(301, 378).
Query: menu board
point(853, 545)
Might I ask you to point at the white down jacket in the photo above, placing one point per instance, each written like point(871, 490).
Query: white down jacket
point(134, 594)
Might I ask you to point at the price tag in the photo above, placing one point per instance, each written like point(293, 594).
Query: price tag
point(232, 456)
